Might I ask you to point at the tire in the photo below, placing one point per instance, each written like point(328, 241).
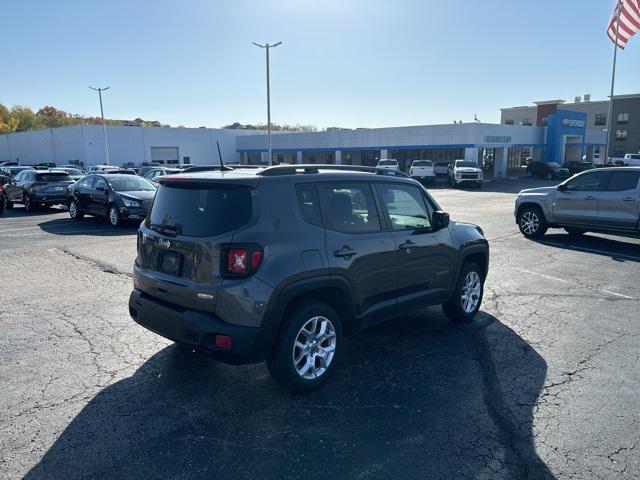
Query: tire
point(113, 215)
point(531, 222)
point(549, 176)
point(29, 206)
point(74, 211)
point(467, 296)
point(5, 201)
point(574, 232)
point(308, 373)
point(479, 185)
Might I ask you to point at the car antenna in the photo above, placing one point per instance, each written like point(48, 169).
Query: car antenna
point(222, 167)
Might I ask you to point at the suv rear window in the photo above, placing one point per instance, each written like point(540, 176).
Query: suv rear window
point(422, 163)
point(54, 177)
point(200, 211)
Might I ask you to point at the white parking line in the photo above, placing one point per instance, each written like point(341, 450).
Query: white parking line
point(592, 250)
point(618, 294)
point(549, 277)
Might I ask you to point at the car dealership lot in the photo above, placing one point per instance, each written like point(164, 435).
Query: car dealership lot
point(543, 383)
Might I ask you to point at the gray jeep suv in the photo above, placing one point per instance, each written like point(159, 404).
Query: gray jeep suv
point(280, 263)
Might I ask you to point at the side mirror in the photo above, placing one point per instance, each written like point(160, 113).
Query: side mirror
point(440, 219)
point(562, 187)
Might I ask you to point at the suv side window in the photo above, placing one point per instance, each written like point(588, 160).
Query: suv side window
point(589, 182)
point(309, 203)
point(404, 206)
point(623, 181)
point(350, 208)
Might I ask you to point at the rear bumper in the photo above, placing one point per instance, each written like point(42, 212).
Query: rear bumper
point(198, 329)
point(50, 198)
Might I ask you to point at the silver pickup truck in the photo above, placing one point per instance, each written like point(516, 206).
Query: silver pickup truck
point(605, 200)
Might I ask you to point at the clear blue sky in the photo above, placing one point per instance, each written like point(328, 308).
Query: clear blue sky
point(344, 63)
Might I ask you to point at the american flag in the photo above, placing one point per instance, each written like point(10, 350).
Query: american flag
point(626, 20)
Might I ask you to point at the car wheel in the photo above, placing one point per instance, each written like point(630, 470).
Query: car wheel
point(549, 176)
point(74, 211)
point(531, 222)
point(5, 200)
point(114, 216)
point(308, 347)
point(574, 231)
point(479, 185)
point(29, 206)
point(467, 296)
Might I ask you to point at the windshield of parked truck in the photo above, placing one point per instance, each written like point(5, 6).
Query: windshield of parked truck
point(466, 164)
point(387, 162)
point(422, 163)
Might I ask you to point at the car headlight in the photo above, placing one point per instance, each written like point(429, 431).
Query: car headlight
point(130, 203)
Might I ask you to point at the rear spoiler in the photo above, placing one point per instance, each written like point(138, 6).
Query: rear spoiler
point(191, 181)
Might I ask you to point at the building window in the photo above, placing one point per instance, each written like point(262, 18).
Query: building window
point(601, 119)
point(621, 134)
point(544, 122)
point(623, 118)
point(186, 160)
point(527, 122)
point(508, 122)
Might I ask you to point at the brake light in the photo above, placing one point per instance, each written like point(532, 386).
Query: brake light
point(241, 260)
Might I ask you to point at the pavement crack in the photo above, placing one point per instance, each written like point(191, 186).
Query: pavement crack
point(103, 266)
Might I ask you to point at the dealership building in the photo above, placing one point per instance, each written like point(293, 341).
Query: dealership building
point(550, 131)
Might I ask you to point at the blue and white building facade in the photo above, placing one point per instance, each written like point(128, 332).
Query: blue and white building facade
point(499, 149)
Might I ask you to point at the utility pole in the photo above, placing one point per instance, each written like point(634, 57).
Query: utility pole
point(104, 129)
point(266, 46)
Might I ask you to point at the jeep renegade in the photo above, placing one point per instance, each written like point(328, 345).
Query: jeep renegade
point(280, 263)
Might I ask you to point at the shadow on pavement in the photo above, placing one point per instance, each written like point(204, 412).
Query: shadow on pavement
point(416, 398)
point(88, 226)
point(619, 250)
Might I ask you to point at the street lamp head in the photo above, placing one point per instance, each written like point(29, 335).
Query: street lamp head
point(276, 44)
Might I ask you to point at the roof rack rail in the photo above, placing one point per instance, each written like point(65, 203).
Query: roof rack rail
point(313, 169)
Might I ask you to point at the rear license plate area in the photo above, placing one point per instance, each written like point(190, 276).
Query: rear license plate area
point(171, 263)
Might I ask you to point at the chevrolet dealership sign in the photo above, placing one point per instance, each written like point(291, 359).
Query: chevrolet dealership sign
point(571, 122)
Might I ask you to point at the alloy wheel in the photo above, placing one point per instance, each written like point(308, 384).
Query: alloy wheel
point(529, 222)
point(314, 348)
point(470, 292)
point(114, 217)
point(73, 210)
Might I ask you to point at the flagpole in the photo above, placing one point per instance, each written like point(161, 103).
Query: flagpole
point(613, 81)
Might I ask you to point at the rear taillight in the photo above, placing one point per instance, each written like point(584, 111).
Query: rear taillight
point(241, 260)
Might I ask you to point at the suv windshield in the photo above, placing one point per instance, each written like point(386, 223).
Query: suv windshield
point(54, 177)
point(131, 184)
point(71, 171)
point(422, 163)
point(199, 212)
point(466, 164)
point(387, 162)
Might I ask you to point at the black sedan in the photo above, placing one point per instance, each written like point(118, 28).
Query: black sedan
point(35, 188)
point(114, 196)
point(577, 167)
point(548, 170)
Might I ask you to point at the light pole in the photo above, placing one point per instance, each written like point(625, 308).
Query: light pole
point(104, 129)
point(266, 46)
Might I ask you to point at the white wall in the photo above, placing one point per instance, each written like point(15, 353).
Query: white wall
point(126, 144)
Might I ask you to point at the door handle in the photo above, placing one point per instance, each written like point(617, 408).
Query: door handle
point(589, 197)
point(344, 252)
point(629, 199)
point(406, 245)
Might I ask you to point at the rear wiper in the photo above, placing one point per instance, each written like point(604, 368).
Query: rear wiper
point(163, 228)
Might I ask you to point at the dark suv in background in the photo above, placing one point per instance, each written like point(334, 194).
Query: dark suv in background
point(278, 264)
point(37, 188)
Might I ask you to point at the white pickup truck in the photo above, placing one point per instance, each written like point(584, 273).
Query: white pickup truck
point(422, 170)
point(629, 160)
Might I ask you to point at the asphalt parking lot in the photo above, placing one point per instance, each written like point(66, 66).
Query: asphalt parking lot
point(543, 384)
